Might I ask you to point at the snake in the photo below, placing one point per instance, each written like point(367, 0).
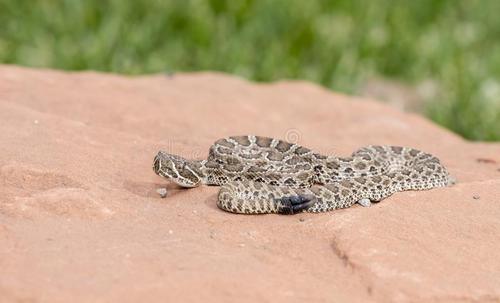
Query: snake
point(261, 175)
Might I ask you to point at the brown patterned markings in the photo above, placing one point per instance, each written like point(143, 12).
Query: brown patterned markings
point(333, 188)
point(386, 182)
point(274, 183)
point(414, 152)
point(360, 165)
point(424, 156)
point(283, 146)
point(406, 172)
point(366, 157)
point(233, 167)
point(212, 164)
point(346, 183)
point(232, 161)
point(289, 182)
point(319, 169)
point(196, 167)
point(377, 179)
point(379, 148)
point(327, 194)
point(305, 166)
point(261, 163)
point(224, 150)
point(188, 175)
point(300, 185)
point(316, 190)
point(301, 150)
point(259, 179)
point(274, 156)
point(273, 176)
point(224, 143)
point(303, 176)
point(258, 185)
point(345, 192)
point(242, 140)
point(293, 160)
point(212, 153)
point(332, 165)
point(350, 159)
point(397, 149)
point(250, 177)
point(320, 157)
point(360, 180)
point(256, 169)
point(170, 172)
point(263, 141)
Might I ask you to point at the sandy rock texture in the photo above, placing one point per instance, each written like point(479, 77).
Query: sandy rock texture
point(81, 219)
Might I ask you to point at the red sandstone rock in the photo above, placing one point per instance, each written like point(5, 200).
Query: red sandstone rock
point(80, 218)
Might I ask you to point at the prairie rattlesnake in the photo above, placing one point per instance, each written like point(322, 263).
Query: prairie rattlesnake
point(264, 175)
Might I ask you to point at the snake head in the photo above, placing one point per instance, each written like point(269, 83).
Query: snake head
point(184, 172)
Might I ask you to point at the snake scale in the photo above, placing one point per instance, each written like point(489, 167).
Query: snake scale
point(265, 175)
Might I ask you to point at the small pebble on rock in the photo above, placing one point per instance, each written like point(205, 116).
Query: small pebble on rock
point(476, 197)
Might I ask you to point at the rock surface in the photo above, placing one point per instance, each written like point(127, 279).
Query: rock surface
point(81, 218)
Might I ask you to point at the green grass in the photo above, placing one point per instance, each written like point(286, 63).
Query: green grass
point(340, 44)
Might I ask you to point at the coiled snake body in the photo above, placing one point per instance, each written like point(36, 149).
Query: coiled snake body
point(265, 175)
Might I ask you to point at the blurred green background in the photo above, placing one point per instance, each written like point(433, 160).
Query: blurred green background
point(444, 54)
